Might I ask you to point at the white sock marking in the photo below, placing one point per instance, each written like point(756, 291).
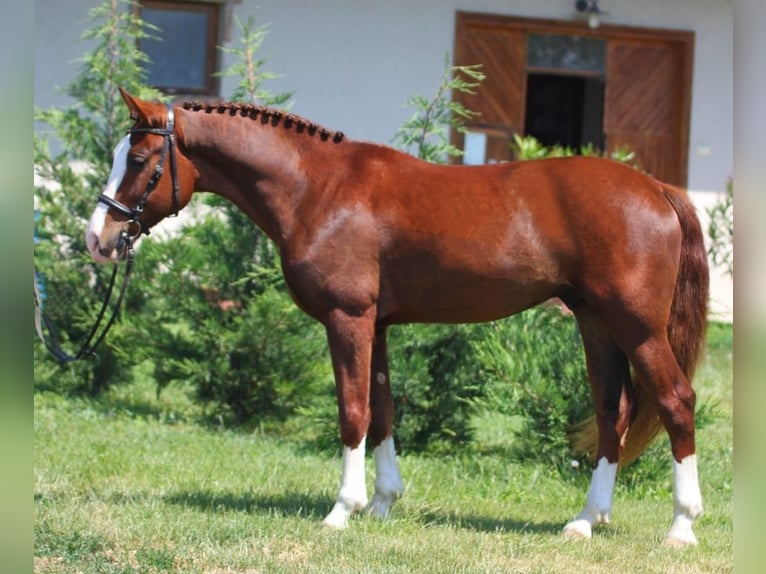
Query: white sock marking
point(599, 503)
point(96, 223)
point(352, 495)
point(388, 481)
point(687, 501)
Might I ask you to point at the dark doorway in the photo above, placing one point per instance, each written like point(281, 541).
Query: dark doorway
point(565, 110)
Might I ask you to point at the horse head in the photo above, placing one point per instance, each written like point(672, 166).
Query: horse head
point(151, 179)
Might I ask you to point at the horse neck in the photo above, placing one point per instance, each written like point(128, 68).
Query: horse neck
point(256, 166)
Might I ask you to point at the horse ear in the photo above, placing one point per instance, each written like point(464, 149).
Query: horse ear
point(139, 109)
point(130, 101)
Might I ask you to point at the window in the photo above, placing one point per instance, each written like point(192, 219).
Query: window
point(566, 52)
point(185, 54)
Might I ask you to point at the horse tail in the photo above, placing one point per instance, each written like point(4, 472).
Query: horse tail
point(687, 326)
point(688, 315)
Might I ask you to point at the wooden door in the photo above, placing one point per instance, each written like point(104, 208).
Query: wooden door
point(646, 104)
point(648, 86)
point(502, 51)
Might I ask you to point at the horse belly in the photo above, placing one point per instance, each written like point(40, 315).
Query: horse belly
point(460, 304)
point(463, 285)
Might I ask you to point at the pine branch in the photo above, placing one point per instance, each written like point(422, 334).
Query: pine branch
point(427, 129)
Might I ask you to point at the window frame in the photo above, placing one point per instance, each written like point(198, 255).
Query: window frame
point(212, 10)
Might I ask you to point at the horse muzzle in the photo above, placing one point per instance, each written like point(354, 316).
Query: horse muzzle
point(114, 250)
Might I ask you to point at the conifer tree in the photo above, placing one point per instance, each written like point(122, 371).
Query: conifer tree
point(426, 133)
point(73, 155)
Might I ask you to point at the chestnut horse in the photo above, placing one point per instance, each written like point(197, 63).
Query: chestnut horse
point(370, 237)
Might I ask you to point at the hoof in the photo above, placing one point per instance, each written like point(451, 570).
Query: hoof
point(380, 506)
point(335, 523)
point(577, 530)
point(681, 534)
point(338, 517)
point(331, 523)
point(680, 541)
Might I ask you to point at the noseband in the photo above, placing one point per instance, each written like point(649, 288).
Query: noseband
point(169, 146)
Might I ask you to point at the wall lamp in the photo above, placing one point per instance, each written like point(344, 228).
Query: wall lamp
point(591, 10)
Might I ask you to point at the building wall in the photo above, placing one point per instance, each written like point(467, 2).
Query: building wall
point(354, 63)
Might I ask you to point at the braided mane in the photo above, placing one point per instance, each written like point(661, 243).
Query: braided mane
point(267, 116)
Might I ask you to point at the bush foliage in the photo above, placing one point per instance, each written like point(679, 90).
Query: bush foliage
point(230, 331)
point(534, 368)
point(721, 230)
point(426, 133)
point(69, 182)
point(221, 322)
point(435, 385)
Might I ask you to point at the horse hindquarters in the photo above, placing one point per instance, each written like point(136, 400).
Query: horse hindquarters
point(663, 397)
point(685, 340)
point(659, 322)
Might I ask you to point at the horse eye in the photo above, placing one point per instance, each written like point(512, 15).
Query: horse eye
point(137, 160)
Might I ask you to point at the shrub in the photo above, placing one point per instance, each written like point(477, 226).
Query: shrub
point(721, 230)
point(529, 147)
point(435, 384)
point(254, 364)
point(425, 134)
point(220, 321)
point(248, 67)
point(534, 368)
point(70, 181)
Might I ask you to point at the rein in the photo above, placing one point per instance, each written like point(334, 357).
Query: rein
point(87, 348)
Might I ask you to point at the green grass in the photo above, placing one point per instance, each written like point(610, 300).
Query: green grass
point(130, 484)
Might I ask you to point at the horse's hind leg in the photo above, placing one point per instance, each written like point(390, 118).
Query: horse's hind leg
point(388, 481)
point(656, 366)
point(609, 375)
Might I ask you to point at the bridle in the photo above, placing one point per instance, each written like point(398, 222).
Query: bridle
point(87, 348)
point(168, 147)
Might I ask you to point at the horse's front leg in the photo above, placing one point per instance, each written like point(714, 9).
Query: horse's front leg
point(388, 481)
point(350, 339)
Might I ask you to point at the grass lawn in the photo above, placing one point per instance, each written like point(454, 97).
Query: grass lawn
point(125, 484)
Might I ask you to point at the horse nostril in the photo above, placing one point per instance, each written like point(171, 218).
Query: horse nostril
point(94, 246)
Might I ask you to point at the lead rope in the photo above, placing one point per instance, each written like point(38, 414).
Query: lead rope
point(87, 348)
